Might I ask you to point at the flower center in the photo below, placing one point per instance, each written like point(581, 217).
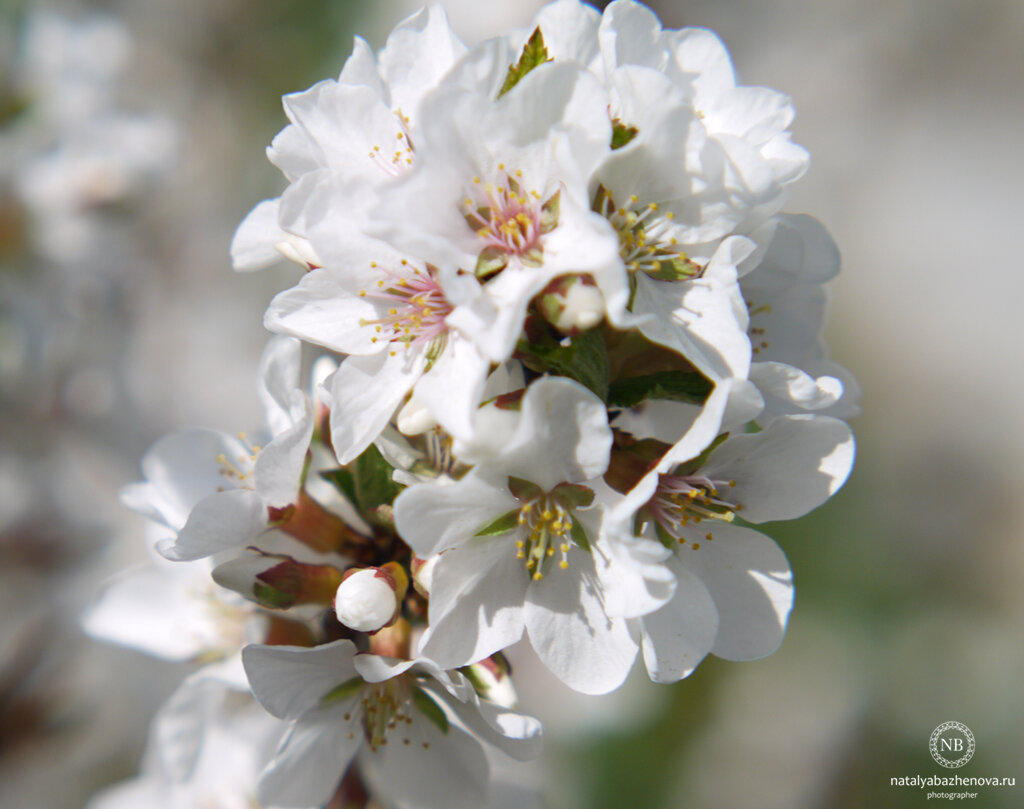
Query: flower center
point(757, 334)
point(545, 523)
point(645, 241)
point(238, 471)
point(394, 163)
point(416, 310)
point(508, 220)
point(684, 499)
point(385, 706)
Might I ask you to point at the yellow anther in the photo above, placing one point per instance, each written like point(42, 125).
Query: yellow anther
point(546, 515)
point(538, 576)
point(670, 215)
point(564, 565)
point(695, 545)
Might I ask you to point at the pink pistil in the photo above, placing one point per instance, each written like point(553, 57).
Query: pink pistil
point(682, 499)
point(506, 219)
point(418, 308)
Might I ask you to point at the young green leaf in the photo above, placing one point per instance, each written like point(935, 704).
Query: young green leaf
point(534, 53)
point(677, 386)
point(584, 358)
point(579, 535)
point(524, 490)
point(622, 133)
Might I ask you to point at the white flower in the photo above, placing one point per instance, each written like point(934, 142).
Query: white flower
point(361, 126)
point(236, 745)
point(519, 542)
point(391, 314)
point(733, 584)
point(788, 302)
point(171, 610)
point(213, 490)
point(499, 192)
point(415, 730)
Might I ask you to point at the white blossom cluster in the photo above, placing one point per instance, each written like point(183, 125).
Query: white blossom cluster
point(575, 360)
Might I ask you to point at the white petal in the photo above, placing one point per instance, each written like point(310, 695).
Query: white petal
point(563, 435)
point(253, 246)
point(279, 379)
point(786, 470)
point(365, 392)
point(434, 516)
point(677, 637)
point(452, 388)
point(514, 733)
point(288, 681)
point(749, 579)
point(183, 469)
point(476, 602)
point(418, 53)
point(180, 724)
point(434, 770)
point(319, 310)
point(571, 632)
point(219, 522)
point(570, 30)
point(279, 465)
point(155, 609)
point(311, 759)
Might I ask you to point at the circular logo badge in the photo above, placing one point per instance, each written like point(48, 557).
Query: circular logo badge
point(952, 744)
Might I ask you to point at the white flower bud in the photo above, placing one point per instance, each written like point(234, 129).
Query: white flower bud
point(423, 573)
point(299, 250)
point(414, 418)
point(365, 601)
point(583, 308)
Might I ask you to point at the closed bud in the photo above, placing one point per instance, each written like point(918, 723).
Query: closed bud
point(572, 304)
point(414, 418)
point(368, 599)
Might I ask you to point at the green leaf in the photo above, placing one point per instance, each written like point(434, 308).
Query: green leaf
point(573, 495)
point(676, 268)
point(677, 386)
point(502, 525)
point(491, 260)
point(429, 708)
point(524, 490)
point(339, 693)
point(579, 535)
point(584, 358)
point(622, 133)
point(271, 597)
point(534, 53)
point(367, 483)
point(343, 481)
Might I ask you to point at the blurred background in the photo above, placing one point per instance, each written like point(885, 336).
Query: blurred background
point(131, 145)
